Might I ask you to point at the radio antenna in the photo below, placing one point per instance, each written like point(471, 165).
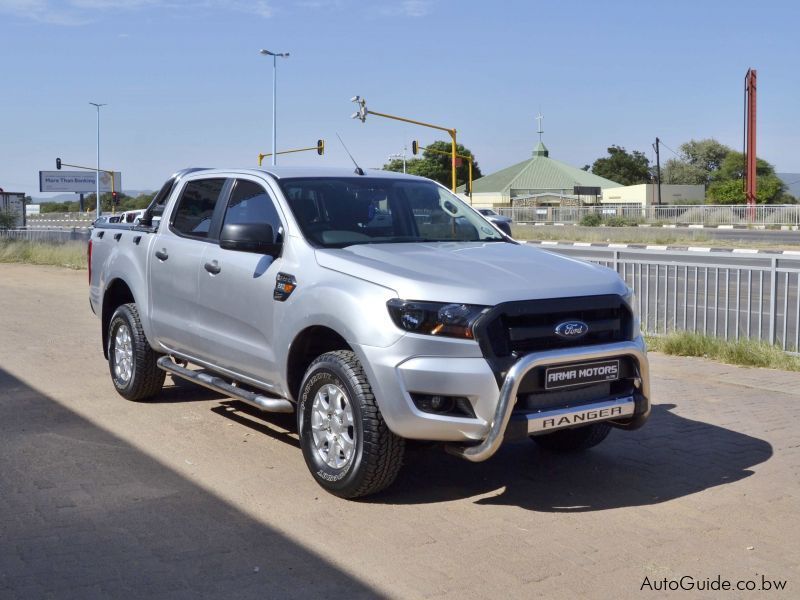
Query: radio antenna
point(359, 170)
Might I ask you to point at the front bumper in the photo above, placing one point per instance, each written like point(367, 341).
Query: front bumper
point(628, 412)
point(457, 368)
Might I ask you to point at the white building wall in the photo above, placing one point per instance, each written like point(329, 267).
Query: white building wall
point(647, 194)
point(486, 200)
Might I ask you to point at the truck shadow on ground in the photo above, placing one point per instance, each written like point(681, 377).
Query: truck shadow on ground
point(177, 390)
point(85, 514)
point(670, 457)
point(279, 426)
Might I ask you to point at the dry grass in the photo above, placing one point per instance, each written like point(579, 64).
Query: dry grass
point(743, 352)
point(629, 235)
point(71, 255)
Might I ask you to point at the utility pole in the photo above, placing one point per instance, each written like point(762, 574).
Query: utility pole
point(97, 105)
point(658, 169)
point(750, 146)
point(400, 156)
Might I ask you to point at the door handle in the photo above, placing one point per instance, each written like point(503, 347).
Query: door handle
point(162, 254)
point(212, 267)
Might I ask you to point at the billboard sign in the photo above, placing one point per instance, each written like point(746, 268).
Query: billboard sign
point(584, 190)
point(15, 204)
point(77, 181)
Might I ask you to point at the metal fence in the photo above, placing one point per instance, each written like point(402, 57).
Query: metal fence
point(698, 214)
point(69, 216)
point(731, 301)
point(51, 236)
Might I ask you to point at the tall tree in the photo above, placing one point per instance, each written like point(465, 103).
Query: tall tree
point(436, 166)
point(679, 171)
point(698, 163)
point(727, 185)
point(626, 168)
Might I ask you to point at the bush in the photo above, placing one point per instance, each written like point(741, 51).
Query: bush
point(591, 219)
point(8, 220)
point(621, 221)
point(594, 219)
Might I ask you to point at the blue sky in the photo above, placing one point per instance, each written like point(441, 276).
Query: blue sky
point(185, 84)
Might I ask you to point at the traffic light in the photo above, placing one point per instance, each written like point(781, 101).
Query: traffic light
point(362, 111)
point(414, 147)
point(58, 164)
point(114, 198)
point(320, 147)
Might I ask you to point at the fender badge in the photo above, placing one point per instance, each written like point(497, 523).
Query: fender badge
point(284, 286)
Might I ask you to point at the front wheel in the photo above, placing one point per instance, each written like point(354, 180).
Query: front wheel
point(346, 444)
point(131, 360)
point(573, 440)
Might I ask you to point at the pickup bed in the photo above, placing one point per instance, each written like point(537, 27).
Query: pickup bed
point(379, 308)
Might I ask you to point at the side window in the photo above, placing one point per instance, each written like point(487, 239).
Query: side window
point(195, 207)
point(250, 203)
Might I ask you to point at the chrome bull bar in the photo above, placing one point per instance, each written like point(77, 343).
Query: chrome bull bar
point(508, 395)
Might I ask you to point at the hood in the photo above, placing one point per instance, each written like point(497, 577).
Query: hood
point(484, 273)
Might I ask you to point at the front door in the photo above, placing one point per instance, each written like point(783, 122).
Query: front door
point(235, 291)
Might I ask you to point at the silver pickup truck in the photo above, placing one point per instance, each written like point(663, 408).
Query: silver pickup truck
point(378, 308)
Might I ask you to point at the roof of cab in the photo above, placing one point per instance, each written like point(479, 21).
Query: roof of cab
point(292, 172)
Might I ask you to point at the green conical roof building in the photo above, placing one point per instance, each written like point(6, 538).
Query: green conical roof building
point(536, 176)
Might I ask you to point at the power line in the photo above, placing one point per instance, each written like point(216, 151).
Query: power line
point(670, 149)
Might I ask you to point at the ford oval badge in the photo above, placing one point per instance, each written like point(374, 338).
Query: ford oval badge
point(572, 330)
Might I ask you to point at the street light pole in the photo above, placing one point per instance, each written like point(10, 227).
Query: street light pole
point(274, 56)
point(97, 173)
point(399, 156)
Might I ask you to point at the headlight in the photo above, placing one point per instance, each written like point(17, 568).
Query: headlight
point(435, 318)
point(630, 299)
point(629, 296)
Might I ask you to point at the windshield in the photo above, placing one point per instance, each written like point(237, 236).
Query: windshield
point(338, 212)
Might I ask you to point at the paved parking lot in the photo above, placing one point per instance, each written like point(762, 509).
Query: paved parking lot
point(195, 496)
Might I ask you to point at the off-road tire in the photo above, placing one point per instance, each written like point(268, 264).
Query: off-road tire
point(573, 440)
point(146, 379)
point(378, 453)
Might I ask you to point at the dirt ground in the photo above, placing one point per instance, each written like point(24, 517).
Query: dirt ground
point(195, 496)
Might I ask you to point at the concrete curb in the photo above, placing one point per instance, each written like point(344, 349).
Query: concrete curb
point(674, 226)
point(614, 246)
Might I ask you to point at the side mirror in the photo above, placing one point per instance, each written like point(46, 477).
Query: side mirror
point(258, 238)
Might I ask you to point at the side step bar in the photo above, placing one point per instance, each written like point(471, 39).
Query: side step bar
point(218, 384)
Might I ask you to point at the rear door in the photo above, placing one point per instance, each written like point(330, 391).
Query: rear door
point(236, 288)
point(176, 262)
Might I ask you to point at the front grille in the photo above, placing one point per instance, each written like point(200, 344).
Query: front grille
point(513, 329)
point(569, 398)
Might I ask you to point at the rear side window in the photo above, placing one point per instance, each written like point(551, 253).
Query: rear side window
point(250, 203)
point(196, 207)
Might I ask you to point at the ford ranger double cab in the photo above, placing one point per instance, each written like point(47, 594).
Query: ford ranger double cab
point(379, 308)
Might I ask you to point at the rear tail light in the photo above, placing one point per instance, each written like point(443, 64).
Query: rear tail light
point(89, 260)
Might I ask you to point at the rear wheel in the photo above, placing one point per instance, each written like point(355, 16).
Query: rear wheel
point(346, 444)
point(131, 360)
point(574, 440)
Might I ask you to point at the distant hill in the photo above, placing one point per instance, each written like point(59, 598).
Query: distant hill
point(792, 181)
point(74, 197)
